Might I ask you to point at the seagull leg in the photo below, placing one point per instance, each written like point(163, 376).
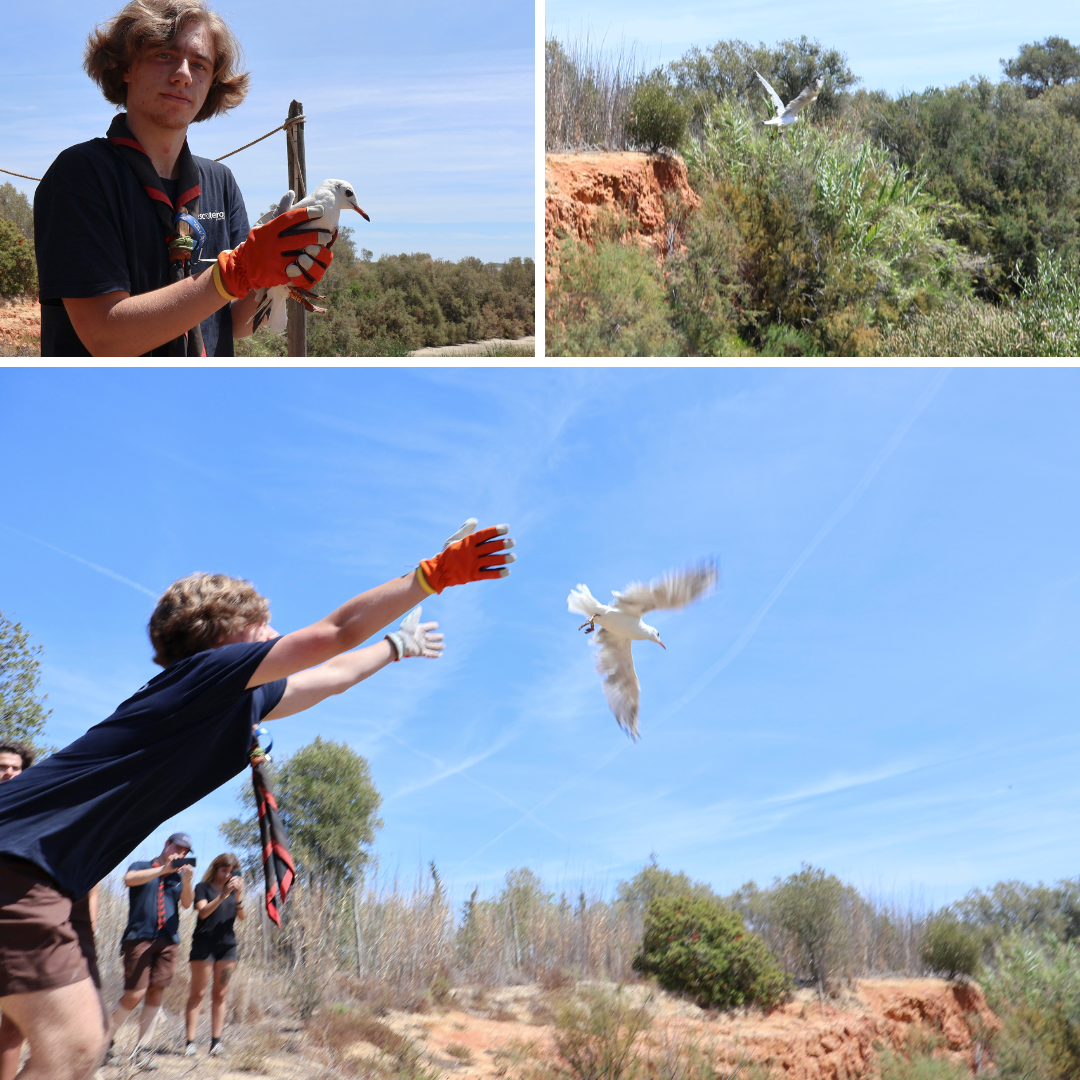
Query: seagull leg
point(591, 624)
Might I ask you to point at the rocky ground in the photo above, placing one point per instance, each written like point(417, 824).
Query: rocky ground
point(507, 1034)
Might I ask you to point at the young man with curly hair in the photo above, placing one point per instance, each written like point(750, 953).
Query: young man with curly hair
point(126, 226)
point(67, 822)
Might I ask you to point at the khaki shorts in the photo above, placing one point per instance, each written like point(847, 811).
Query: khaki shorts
point(45, 938)
point(149, 963)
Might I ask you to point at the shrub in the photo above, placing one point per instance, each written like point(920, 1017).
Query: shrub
point(810, 905)
point(608, 301)
point(703, 949)
point(920, 1067)
point(595, 1033)
point(18, 268)
point(950, 948)
point(656, 117)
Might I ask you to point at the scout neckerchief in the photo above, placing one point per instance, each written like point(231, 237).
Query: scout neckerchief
point(160, 896)
point(278, 866)
point(183, 233)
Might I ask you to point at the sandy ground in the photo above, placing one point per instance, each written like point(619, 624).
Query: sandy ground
point(496, 1034)
point(476, 348)
point(20, 327)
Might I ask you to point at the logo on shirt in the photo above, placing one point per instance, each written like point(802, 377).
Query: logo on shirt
point(213, 215)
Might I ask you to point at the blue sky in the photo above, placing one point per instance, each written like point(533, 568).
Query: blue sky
point(885, 685)
point(427, 108)
point(905, 45)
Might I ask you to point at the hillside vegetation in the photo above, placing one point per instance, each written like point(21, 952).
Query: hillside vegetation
point(945, 222)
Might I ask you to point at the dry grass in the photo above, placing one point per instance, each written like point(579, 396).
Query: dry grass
point(586, 94)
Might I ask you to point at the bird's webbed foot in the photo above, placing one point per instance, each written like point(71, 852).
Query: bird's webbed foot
point(591, 624)
point(306, 298)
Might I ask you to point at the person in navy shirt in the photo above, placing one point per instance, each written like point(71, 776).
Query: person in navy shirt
point(117, 276)
point(151, 941)
point(67, 822)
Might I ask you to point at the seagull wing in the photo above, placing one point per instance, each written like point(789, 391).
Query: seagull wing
point(583, 602)
point(615, 663)
point(796, 105)
point(772, 93)
point(675, 589)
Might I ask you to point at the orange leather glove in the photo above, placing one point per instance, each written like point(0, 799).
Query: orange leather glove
point(280, 252)
point(477, 557)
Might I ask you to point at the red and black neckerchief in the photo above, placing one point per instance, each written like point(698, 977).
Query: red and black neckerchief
point(278, 868)
point(160, 896)
point(183, 233)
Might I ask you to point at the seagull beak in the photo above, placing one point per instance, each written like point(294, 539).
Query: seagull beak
point(359, 211)
point(661, 644)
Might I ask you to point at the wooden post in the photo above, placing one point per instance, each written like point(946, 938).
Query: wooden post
point(294, 141)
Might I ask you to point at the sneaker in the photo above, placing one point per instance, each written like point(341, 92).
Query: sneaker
point(216, 1049)
point(190, 1050)
point(144, 1060)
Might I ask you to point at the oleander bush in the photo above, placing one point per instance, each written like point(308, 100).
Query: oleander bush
point(703, 949)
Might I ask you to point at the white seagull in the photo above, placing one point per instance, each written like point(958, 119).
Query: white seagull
point(324, 205)
point(621, 624)
point(789, 113)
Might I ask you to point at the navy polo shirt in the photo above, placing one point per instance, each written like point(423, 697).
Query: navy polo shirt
point(143, 907)
point(176, 739)
point(96, 232)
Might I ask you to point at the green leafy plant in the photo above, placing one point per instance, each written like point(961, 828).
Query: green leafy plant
point(703, 949)
point(656, 117)
point(950, 947)
point(18, 268)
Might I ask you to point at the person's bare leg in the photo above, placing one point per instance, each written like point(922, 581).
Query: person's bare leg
point(124, 1008)
point(223, 970)
point(11, 1040)
point(149, 1017)
point(65, 1027)
point(200, 979)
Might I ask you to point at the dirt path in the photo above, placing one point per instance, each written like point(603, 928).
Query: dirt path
point(478, 348)
point(20, 327)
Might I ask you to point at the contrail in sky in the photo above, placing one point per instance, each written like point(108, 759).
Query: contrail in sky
point(837, 515)
point(86, 562)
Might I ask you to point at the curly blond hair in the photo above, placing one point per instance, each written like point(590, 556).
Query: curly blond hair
point(197, 611)
point(113, 47)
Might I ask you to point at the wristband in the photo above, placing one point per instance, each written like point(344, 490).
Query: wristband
point(424, 582)
point(397, 643)
point(218, 284)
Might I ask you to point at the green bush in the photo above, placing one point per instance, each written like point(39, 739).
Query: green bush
point(18, 268)
point(702, 949)
point(920, 1067)
point(950, 948)
point(1035, 990)
point(656, 117)
point(608, 300)
point(810, 906)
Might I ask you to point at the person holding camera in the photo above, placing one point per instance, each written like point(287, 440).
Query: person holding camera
point(219, 902)
point(151, 939)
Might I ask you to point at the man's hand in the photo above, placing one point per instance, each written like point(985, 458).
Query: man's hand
point(281, 252)
point(414, 638)
point(475, 557)
point(169, 865)
point(187, 872)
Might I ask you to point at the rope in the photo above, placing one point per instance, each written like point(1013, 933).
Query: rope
point(288, 123)
point(22, 175)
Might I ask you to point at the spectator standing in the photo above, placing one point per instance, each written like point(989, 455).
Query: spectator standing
point(219, 902)
point(151, 941)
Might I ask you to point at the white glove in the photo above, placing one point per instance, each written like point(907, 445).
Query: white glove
point(414, 638)
point(466, 530)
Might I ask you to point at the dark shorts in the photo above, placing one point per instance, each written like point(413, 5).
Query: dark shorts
point(45, 937)
point(209, 950)
point(149, 963)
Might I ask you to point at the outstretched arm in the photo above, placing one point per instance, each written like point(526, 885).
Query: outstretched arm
point(307, 688)
point(476, 557)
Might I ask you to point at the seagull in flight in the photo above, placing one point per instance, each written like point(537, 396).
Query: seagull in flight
point(789, 113)
point(621, 624)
